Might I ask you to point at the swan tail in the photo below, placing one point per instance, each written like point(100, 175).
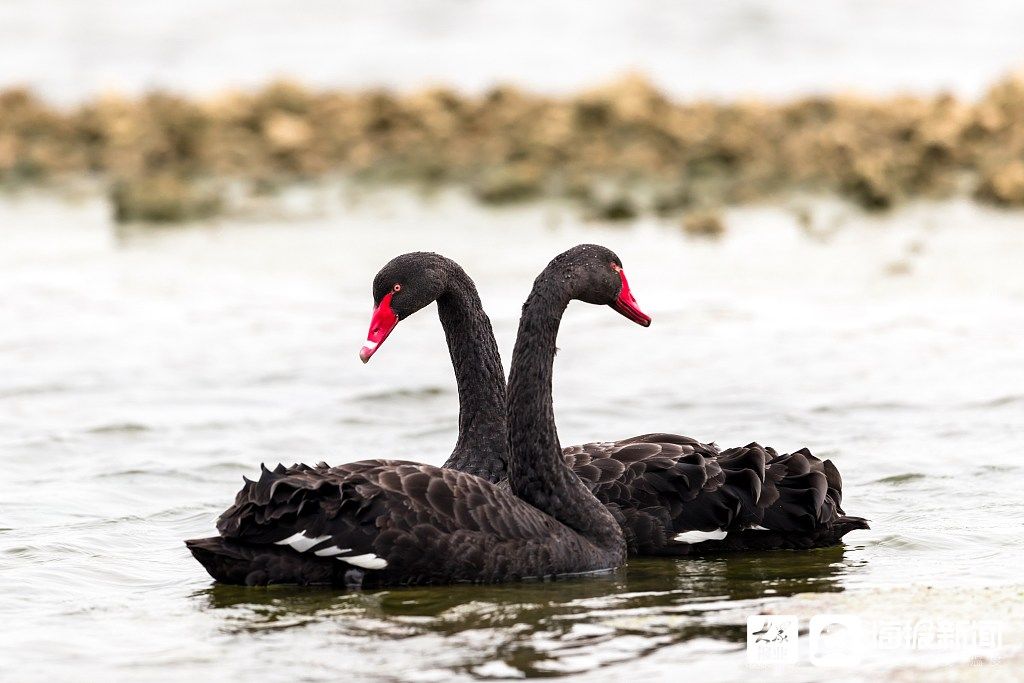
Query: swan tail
point(806, 510)
point(241, 564)
point(225, 561)
point(834, 532)
point(777, 502)
point(822, 536)
point(761, 539)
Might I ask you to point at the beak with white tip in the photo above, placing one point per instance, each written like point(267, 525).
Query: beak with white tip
point(381, 324)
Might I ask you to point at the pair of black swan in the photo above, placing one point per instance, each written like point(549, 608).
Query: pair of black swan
point(385, 522)
point(671, 494)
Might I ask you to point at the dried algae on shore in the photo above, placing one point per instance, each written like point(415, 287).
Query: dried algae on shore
point(619, 150)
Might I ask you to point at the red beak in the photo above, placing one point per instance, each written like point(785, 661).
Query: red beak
point(627, 305)
point(381, 324)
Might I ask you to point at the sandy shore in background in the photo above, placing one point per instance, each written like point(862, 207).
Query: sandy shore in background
point(619, 150)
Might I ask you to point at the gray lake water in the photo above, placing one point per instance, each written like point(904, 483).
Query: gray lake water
point(144, 371)
point(70, 50)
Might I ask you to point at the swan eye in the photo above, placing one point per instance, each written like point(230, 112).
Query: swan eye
point(396, 288)
point(616, 267)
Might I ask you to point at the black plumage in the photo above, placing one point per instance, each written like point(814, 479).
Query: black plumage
point(410, 523)
point(656, 485)
point(387, 522)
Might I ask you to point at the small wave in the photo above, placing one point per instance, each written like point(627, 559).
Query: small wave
point(119, 428)
point(231, 467)
point(35, 389)
point(398, 394)
point(898, 479)
point(354, 421)
point(987, 469)
point(1000, 402)
point(274, 378)
point(171, 473)
point(859, 407)
point(681, 405)
point(907, 543)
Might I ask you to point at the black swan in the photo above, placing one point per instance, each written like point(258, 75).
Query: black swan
point(389, 522)
point(671, 494)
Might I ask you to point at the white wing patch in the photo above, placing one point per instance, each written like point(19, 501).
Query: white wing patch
point(301, 542)
point(757, 527)
point(701, 536)
point(367, 561)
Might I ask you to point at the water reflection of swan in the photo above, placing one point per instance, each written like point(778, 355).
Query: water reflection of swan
point(544, 627)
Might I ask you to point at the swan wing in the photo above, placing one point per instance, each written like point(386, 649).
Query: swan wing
point(392, 521)
point(662, 485)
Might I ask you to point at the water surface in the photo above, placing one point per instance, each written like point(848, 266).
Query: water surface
point(71, 50)
point(144, 371)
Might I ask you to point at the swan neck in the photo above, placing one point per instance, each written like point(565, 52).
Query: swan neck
point(482, 447)
point(537, 470)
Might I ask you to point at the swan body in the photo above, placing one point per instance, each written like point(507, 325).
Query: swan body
point(670, 494)
point(673, 495)
point(391, 522)
point(386, 522)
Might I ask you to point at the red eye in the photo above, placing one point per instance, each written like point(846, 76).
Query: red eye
point(398, 288)
point(616, 267)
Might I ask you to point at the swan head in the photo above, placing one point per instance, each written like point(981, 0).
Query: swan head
point(403, 286)
point(594, 274)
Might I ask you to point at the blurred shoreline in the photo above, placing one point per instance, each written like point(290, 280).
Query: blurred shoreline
point(618, 151)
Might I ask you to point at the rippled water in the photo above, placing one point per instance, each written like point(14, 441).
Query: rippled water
point(144, 371)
